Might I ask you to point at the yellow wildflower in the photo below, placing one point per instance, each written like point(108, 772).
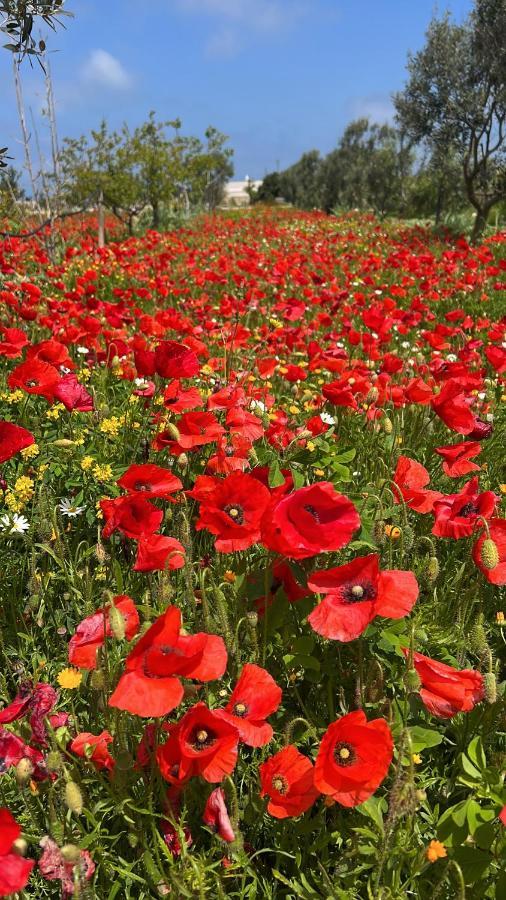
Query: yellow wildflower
point(103, 473)
point(86, 463)
point(69, 678)
point(499, 616)
point(416, 758)
point(110, 426)
point(30, 452)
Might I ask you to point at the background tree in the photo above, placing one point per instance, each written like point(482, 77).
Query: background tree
point(17, 21)
point(455, 101)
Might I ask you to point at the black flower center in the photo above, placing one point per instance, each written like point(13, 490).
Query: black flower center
point(236, 513)
point(32, 383)
point(313, 512)
point(240, 709)
point(359, 592)
point(344, 754)
point(142, 486)
point(470, 509)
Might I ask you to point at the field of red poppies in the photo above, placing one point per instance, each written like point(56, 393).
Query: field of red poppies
point(252, 550)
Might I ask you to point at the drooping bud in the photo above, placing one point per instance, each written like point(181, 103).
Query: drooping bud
point(489, 554)
point(490, 687)
point(173, 431)
point(378, 531)
point(97, 680)
point(412, 680)
point(74, 798)
point(24, 771)
point(432, 569)
point(117, 622)
point(477, 637)
point(54, 761)
point(71, 854)
point(387, 425)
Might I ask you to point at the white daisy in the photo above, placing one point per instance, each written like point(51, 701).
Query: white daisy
point(17, 525)
point(69, 509)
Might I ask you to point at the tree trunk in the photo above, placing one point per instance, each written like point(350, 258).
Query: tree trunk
point(439, 205)
point(480, 223)
point(101, 221)
point(156, 215)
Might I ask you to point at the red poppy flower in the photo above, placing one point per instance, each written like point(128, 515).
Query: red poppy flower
point(158, 553)
point(135, 516)
point(149, 687)
point(73, 395)
point(13, 749)
point(240, 421)
point(358, 592)
point(287, 779)
point(34, 702)
point(216, 815)
point(255, 696)
point(91, 633)
point(197, 429)
point(94, 747)
point(497, 531)
point(34, 377)
point(12, 341)
point(173, 360)
point(14, 870)
point(53, 352)
point(13, 439)
point(445, 690)
point(205, 744)
point(152, 481)
point(177, 399)
point(353, 758)
point(456, 515)
point(311, 520)
point(452, 405)
point(54, 867)
point(502, 815)
point(410, 479)
point(232, 509)
point(456, 458)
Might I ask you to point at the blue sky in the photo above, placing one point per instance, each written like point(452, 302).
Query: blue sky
point(278, 76)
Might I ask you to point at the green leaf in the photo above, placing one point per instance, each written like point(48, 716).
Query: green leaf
point(476, 753)
point(276, 477)
point(473, 862)
point(373, 809)
point(422, 738)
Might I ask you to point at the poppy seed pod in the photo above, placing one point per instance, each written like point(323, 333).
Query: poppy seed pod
point(20, 847)
point(432, 569)
point(378, 531)
point(71, 854)
point(97, 680)
point(387, 425)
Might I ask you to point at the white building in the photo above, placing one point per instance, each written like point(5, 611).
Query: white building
point(236, 192)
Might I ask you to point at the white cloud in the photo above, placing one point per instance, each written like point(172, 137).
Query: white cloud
point(239, 19)
point(378, 108)
point(102, 68)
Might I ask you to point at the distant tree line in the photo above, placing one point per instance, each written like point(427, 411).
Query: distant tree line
point(447, 149)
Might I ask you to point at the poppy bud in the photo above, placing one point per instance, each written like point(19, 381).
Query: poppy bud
point(378, 531)
point(387, 425)
point(73, 797)
point(408, 537)
point(71, 854)
point(117, 623)
point(100, 552)
point(20, 847)
point(54, 761)
point(173, 431)
point(412, 680)
point(65, 443)
point(490, 687)
point(182, 461)
point(478, 638)
point(252, 619)
point(432, 569)
point(489, 554)
point(24, 771)
point(97, 680)
point(421, 796)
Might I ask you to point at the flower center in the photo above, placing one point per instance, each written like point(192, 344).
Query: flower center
point(201, 739)
point(470, 509)
point(280, 784)
point(313, 512)
point(32, 383)
point(344, 754)
point(359, 593)
point(240, 709)
point(236, 513)
point(141, 486)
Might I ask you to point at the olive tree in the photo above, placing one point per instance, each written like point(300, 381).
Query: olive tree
point(455, 101)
